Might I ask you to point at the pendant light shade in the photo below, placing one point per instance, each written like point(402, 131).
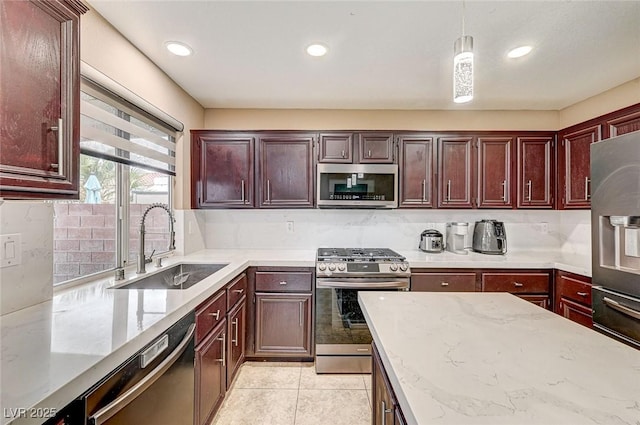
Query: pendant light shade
point(463, 69)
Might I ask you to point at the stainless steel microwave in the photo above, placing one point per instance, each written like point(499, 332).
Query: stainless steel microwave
point(357, 186)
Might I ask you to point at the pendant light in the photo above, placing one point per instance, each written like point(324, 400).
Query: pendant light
point(463, 66)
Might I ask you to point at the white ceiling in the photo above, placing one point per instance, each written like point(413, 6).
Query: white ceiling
point(385, 54)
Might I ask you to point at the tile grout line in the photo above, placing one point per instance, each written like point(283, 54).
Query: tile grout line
point(295, 411)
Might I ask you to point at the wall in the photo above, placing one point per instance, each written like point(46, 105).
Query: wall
point(128, 66)
point(398, 229)
point(31, 282)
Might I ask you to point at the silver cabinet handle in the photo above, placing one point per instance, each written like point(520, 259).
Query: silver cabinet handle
point(216, 314)
point(621, 308)
point(268, 191)
point(300, 305)
point(199, 192)
point(369, 154)
point(59, 129)
point(448, 190)
point(238, 291)
point(424, 190)
point(223, 338)
point(283, 282)
point(444, 284)
point(384, 412)
point(104, 414)
point(582, 294)
point(235, 332)
point(242, 189)
point(518, 284)
point(504, 190)
point(587, 195)
point(529, 190)
point(343, 153)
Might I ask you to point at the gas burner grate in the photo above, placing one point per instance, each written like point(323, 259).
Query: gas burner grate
point(359, 254)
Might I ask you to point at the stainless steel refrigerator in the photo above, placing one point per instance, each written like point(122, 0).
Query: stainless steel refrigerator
point(615, 237)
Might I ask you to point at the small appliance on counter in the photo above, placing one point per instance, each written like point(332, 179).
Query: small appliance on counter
point(431, 241)
point(490, 237)
point(456, 237)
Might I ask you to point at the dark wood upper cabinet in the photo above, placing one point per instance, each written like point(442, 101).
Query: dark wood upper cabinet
point(574, 167)
point(335, 147)
point(535, 172)
point(40, 101)
point(286, 170)
point(495, 167)
point(455, 172)
point(376, 147)
point(626, 123)
point(416, 164)
point(222, 170)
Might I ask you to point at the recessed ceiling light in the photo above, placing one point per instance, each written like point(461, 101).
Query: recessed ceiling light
point(178, 49)
point(519, 52)
point(317, 49)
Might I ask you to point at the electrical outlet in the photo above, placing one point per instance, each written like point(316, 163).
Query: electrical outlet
point(542, 227)
point(290, 227)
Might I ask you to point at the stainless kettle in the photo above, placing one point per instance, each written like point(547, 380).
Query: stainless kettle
point(431, 241)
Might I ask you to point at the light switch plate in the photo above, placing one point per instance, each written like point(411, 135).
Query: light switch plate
point(10, 250)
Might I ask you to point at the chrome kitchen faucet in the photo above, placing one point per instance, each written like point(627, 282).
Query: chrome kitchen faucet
point(142, 260)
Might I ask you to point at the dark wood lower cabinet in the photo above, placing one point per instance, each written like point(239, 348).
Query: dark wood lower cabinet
point(576, 312)
point(573, 297)
point(236, 329)
point(210, 374)
point(385, 408)
point(283, 324)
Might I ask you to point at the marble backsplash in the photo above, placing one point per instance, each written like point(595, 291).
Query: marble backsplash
point(398, 229)
point(31, 282)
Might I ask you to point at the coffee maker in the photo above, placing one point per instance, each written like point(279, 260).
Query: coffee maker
point(456, 237)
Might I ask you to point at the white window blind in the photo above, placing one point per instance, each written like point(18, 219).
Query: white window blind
point(116, 129)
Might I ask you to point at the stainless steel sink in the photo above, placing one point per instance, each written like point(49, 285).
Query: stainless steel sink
point(180, 276)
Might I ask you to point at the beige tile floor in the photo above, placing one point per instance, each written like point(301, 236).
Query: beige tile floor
point(292, 394)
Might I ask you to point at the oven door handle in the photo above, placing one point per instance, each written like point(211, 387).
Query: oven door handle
point(621, 308)
point(364, 284)
point(104, 414)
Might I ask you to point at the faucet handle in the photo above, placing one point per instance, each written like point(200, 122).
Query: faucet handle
point(148, 260)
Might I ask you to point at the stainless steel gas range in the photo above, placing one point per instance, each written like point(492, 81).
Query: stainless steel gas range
point(343, 340)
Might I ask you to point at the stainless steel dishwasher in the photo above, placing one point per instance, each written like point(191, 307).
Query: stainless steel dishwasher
point(155, 386)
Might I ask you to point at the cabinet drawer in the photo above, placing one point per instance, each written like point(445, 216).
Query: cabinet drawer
point(515, 282)
point(210, 314)
point(236, 290)
point(541, 300)
point(443, 282)
point(573, 289)
point(283, 282)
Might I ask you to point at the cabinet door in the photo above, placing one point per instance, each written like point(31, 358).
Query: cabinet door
point(40, 99)
point(540, 300)
point(223, 175)
point(455, 172)
point(574, 289)
point(384, 406)
point(576, 312)
point(574, 167)
point(416, 171)
point(495, 172)
point(376, 147)
point(535, 172)
point(624, 124)
point(236, 327)
point(210, 370)
point(283, 324)
point(335, 147)
point(286, 170)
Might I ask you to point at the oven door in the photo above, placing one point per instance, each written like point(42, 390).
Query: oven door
point(343, 340)
point(357, 185)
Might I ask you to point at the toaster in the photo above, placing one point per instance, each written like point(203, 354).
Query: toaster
point(489, 237)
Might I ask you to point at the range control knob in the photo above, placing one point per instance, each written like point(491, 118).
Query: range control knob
point(322, 266)
point(404, 267)
point(342, 267)
point(332, 266)
point(393, 267)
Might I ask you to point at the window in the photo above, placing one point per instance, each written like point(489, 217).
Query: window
point(127, 163)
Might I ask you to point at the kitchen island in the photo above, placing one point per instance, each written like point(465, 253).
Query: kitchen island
point(492, 358)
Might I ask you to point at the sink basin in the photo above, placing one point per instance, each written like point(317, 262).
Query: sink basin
point(180, 276)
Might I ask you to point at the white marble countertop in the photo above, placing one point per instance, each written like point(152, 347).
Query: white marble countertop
point(492, 358)
point(54, 351)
